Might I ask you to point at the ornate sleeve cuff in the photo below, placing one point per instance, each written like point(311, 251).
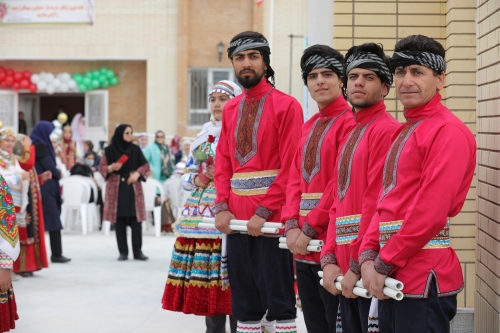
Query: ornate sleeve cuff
point(263, 212)
point(354, 267)
point(308, 230)
point(381, 267)
point(221, 207)
point(367, 255)
point(291, 224)
point(6, 261)
point(328, 259)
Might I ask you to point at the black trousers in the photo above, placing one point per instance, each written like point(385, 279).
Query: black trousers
point(121, 234)
point(319, 306)
point(217, 324)
point(261, 278)
point(55, 243)
point(354, 314)
point(426, 315)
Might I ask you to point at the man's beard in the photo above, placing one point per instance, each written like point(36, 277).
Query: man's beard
point(249, 82)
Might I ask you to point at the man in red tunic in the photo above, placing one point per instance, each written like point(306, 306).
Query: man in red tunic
point(427, 174)
point(260, 133)
point(358, 178)
point(311, 171)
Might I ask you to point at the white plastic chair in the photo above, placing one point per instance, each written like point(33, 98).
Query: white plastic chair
point(75, 195)
point(150, 187)
point(100, 179)
point(93, 211)
point(106, 225)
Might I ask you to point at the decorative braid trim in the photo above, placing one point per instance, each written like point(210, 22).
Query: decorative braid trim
point(6, 261)
point(221, 207)
point(328, 259)
point(367, 255)
point(381, 267)
point(291, 224)
point(246, 327)
point(354, 267)
point(263, 212)
point(286, 327)
point(308, 230)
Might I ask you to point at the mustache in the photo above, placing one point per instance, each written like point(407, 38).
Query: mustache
point(247, 70)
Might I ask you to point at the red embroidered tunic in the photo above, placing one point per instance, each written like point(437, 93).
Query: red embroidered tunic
point(312, 169)
point(426, 177)
point(260, 133)
point(357, 184)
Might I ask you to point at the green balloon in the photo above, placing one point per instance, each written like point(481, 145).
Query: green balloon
point(96, 73)
point(105, 84)
point(104, 70)
point(86, 81)
point(88, 74)
point(82, 87)
point(110, 74)
point(114, 81)
point(101, 79)
point(95, 84)
point(77, 77)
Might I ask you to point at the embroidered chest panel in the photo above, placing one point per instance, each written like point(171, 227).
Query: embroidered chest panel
point(247, 127)
point(346, 158)
point(311, 157)
point(392, 159)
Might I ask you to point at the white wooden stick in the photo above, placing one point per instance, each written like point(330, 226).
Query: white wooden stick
point(310, 248)
point(394, 284)
point(394, 294)
point(315, 242)
point(361, 292)
point(265, 230)
point(320, 274)
point(278, 225)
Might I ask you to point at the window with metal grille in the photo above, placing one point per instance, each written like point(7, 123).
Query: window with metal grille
point(201, 80)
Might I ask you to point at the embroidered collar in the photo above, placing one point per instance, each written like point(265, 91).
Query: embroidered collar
point(364, 116)
point(333, 109)
point(424, 111)
point(257, 92)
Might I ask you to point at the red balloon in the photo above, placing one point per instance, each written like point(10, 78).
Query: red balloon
point(25, 84)
point(27, 75)
point(9, 80)
point(16, 86)
point(33, 88)
point(9, 72)
point(18, 76)
point(4, 85)
point(2, 76)
point(2, 69)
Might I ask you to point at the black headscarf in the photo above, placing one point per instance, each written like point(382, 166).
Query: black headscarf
point(120, 147)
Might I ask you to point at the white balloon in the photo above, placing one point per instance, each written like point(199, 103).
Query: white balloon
point(49, 77)
point(56, 123)
point(35, 78)
point(50, 90)
point(72, 84)
point(63, 88)
point(56, 83)
point(57, 131)
point(42, 76)
point(65, 77)
point(42, 85)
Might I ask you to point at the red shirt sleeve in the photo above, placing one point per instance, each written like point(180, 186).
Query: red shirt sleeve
point(223, 169)
point(288, 135)
point(328, 249)
point(290, 212)
point(379, 146)
point(446, 174)
point(319, 217)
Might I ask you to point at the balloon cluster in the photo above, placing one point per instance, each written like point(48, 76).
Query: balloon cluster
point(50, 83)
point(16, 80)
point(99, 78)
point(61, 119)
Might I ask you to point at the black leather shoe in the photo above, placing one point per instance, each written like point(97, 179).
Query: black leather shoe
point(60, 259)
point(123, 257)
point(140, 257)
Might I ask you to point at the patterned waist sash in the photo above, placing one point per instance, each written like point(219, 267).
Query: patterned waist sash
point(347, 228)
point(440, 241)
point(253, 183)
point(308, 202)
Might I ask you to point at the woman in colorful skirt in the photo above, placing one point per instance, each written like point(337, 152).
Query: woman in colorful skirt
point(9, 251)
point(197, 279)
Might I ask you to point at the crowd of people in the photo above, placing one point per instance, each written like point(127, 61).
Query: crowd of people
point(377, 194)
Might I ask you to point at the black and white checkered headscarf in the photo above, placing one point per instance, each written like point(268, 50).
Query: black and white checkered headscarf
point(407, 58)
point(248, 43)
point(370, 61)
point(318, 61)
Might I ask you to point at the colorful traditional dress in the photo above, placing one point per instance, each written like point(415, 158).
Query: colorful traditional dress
point(33, 254)
point(68, 153)
point(197, 280)
point(9, 251)
point(11, 171)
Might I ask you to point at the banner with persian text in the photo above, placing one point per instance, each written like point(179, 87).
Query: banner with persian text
point(46, 11)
